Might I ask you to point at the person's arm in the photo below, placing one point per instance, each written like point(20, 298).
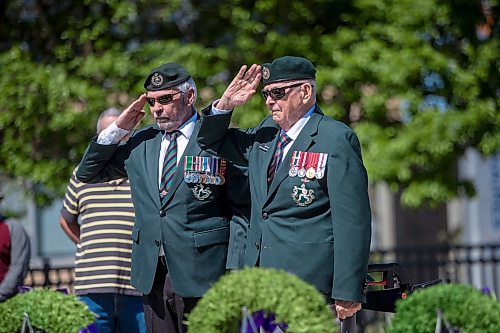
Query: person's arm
point(104, 161)
point(70, 229)
point(351, 220)
point(71, 209)
point(241, 88)
point(19, 261)
point(214, 135)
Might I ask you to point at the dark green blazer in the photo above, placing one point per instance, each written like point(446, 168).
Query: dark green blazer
point(327, 242)
point(201, 238)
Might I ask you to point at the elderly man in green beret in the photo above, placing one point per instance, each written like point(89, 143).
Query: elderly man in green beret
point(310, 208)
point(191, 207)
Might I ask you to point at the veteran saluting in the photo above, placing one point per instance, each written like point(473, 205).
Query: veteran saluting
point(310, 208)
point(191, 207)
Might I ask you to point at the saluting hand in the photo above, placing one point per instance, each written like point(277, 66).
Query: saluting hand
point(241, 88)
point(132, 115)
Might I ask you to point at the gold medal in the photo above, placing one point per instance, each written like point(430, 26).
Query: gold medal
point(310, 173)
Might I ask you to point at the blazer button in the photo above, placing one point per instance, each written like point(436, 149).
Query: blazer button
point(264, 216)
point(163, 213)
point(257, 245)
point(157, 242)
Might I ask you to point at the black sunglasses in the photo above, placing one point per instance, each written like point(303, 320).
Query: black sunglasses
point(164, 99)
point(278, 93)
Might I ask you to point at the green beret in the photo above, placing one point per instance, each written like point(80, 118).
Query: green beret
point(287, 68)
point(166, 76)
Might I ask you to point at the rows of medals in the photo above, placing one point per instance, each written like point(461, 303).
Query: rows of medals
point(308, 165)
point(204, 170)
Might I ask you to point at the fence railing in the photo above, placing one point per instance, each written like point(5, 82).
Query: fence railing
point(476, 265)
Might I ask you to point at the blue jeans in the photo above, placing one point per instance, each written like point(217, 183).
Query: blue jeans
point(116, 311)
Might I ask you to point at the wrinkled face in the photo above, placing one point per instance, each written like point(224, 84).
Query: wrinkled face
point(170, 107)
point(286, 101)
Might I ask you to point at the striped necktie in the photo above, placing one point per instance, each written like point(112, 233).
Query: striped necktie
point(169, 163)
point(278, 156)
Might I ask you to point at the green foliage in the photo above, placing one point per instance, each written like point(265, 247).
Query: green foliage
point(48, 310)
point(464, 307)
point(411, 77)
point(293, 301)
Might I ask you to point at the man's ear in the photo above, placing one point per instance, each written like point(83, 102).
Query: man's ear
point(306, 93)
point(190, 97)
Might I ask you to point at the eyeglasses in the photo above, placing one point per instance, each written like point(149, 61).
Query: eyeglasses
point(164, 99)
point(279, 93)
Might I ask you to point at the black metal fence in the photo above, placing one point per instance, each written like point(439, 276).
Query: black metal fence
point(476, 265)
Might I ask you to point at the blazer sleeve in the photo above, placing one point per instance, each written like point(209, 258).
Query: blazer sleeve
point(217, 138)
point(351, 218)
point(102, 163)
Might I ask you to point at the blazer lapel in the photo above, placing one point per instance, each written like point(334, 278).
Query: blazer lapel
point(191, 149)
point(266, 152)
point(304, 142)
point(152, 155)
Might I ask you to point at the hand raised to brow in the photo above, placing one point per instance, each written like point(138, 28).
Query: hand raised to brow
point(241, 88)
point(133, 114)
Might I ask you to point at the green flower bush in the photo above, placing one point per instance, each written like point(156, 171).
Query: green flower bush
point(294, 302)
point(50, 311)
point(463, 306)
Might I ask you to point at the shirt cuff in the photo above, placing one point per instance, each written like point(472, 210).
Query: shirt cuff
point(216, 111)
point(111, 135)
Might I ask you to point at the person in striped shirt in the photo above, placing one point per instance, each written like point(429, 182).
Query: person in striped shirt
point(99, 218)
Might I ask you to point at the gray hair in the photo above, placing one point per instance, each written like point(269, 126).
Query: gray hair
point(110, 112)
point(184, 87)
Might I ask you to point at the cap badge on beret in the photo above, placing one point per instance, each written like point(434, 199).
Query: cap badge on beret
point(288, 68)
point(157, 79)
point(265, 73)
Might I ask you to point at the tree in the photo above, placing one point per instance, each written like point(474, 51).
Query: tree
point(415, 79)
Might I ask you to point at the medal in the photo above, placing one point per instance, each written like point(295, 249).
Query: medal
point(310, 173)
point(294, 163)
point(195, 177)
point(188, 168)
point(320, 170)
point(312, 162)
point(302, 172)
point(202, 179)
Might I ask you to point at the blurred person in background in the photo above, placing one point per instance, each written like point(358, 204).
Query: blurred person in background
point(14, 256)
point(99, 219)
